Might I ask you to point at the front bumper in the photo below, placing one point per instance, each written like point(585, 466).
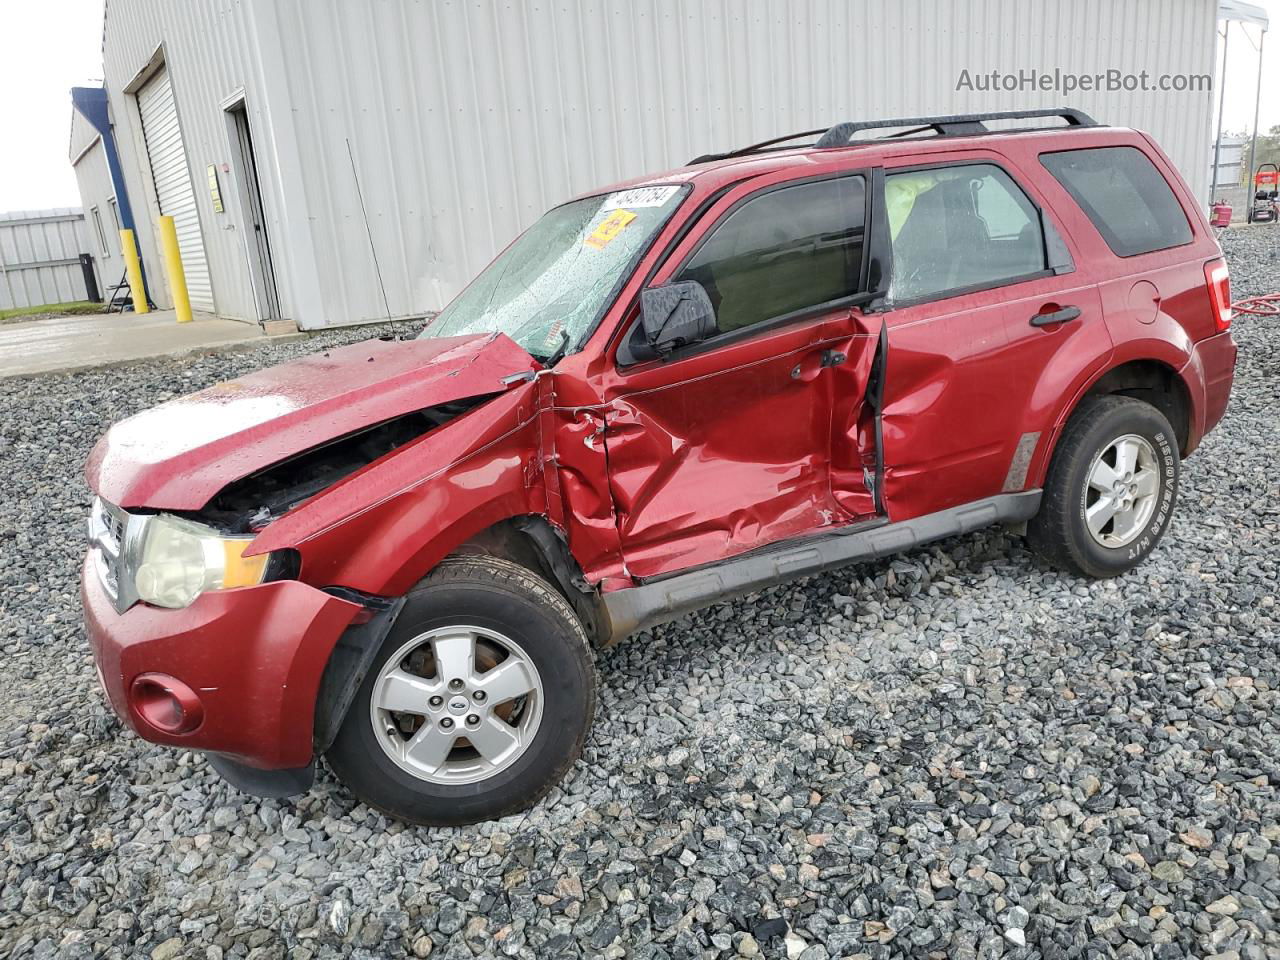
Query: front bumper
point(253, 656)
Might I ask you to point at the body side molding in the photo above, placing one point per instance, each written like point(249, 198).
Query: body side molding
point(637, 608)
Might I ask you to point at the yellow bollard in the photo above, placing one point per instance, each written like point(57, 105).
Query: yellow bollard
point(173, 266)
point(133, 270)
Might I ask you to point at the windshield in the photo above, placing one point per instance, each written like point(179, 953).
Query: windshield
point(546, 290)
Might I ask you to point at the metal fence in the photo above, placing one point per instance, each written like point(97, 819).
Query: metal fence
point(40, 257)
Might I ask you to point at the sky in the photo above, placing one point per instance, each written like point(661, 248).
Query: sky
point(1242, 73)
point(46, 48)
point(49, 46)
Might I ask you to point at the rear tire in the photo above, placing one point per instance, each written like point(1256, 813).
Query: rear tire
point(1111, 488)
point(475, 624)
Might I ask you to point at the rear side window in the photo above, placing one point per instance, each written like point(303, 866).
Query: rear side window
point(960, 228)
point(783, 251)
point(1125, 196)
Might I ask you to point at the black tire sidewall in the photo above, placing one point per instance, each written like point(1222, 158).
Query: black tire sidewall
point(565, 670)
point(1141, 419)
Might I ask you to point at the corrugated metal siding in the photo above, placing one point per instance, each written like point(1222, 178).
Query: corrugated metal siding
point(82, 134)
point(468, 119)
point(460, 121)
point(163, 138)
point(40, 257)
point(94, 181)
point(209, 54)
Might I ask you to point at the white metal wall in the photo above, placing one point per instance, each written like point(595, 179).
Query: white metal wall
point(40, 257)
point(459, 121)
point(95, 192)
point(82, 134)
point(89, 161)
point(210, 53)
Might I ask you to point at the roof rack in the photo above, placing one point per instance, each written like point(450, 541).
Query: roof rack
point(954, 125)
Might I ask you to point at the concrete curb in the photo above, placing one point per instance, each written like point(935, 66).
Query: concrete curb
point(248, 344)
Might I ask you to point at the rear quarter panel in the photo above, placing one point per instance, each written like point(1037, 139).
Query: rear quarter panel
point(1215, 364)
point(1156, 305)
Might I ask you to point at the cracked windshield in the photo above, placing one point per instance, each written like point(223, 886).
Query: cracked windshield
point(547, 289)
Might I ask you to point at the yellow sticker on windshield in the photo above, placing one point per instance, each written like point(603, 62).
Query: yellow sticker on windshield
point(610, 227)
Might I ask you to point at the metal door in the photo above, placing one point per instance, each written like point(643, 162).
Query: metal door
point(172, 178)
point(259, 244)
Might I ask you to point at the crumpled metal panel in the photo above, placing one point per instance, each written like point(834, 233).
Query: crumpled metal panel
point(383, 528)
point(583, 473)
point(724, 452)
point(853, 435)
point(177, 455)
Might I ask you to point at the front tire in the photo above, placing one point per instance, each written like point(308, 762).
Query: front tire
point(1111, 488)
point(478, 703)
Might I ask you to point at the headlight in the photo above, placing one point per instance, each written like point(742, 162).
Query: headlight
point(179, 559)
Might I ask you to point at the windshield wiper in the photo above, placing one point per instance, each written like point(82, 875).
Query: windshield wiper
point(560, 351)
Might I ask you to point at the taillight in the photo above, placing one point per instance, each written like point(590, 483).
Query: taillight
point(1218, 280)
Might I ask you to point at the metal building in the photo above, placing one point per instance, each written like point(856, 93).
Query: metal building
point(41, 258)
point(88, 154)
point(339, 161)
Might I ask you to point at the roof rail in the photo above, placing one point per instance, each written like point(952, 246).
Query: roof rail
point(954, 125)
point(743, 151)
point(957, 125)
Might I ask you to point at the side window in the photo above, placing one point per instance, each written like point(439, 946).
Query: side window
point(962, 227)
point(783, 251)
point(1125, 196)
point(97, 227)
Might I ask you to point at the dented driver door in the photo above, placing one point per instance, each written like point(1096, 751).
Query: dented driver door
point(725, 446)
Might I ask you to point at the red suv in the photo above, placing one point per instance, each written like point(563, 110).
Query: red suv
point(771, 362)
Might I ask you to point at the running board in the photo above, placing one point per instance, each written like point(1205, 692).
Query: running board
point(637, 608)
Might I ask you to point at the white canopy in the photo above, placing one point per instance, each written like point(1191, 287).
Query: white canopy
point(1244, 12)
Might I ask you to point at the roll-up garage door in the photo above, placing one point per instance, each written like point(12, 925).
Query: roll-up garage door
point(173, 183)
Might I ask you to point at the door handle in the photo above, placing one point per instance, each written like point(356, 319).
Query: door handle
point(807, 368)
point(1057, 316)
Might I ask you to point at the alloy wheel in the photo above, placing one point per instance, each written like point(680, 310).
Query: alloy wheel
point(457, 704)
point(1123, 488)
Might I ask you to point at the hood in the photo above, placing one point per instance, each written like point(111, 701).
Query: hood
point(178, 455)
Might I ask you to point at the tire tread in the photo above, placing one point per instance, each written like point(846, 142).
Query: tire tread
point(1048, 532)
point(488, 570)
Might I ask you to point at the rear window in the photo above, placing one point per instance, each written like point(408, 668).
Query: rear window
point(1125, 196)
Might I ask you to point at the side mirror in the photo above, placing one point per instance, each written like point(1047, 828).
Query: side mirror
point(676, 315)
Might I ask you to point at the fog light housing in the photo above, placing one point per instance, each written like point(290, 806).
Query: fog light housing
point(166, 703)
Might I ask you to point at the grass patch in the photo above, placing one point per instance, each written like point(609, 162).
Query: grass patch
point(72, 309)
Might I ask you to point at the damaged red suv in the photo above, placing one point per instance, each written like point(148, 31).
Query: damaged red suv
point(400, 554)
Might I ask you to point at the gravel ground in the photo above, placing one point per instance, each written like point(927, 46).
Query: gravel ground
point(959, 753)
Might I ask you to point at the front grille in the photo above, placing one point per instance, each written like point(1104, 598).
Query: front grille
point(114, 525)
point(108, 537)
point(108, 574)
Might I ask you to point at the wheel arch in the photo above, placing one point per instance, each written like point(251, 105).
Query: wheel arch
point(1155, 381)
point(529, 540)
point(526, 538)
point(537, 544)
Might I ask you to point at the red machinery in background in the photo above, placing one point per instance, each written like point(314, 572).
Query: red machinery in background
point(1266, 181)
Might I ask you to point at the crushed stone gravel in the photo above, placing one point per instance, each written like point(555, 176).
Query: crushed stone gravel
point(957, 753)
